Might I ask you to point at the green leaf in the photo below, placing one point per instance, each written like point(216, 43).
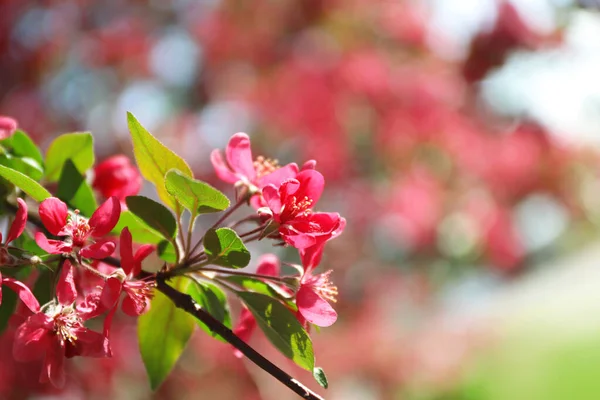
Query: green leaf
point(25, 183)
point(166, 251)
point(196, 196)
point(75, 191)
point(79, 147)
point(281, 327)
point(224, 247)
point(154, 160)
point(27, 166)
point(320, 377)
point(214, 301)
point(257, 286)
point(154, 214)
point(21, 145)
point(163, 333)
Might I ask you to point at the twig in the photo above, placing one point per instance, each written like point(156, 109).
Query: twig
point(187, 303)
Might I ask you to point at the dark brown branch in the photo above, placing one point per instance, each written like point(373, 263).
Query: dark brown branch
point(187, 303)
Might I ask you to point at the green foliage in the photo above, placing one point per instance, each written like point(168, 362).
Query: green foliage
point(214, 301)
point(21, 145)
point(25, 183)
point(320, 377)
point(75, 191)
point(258, 286)
point(281, 327)
point(225, 248)
point(163, 333)
point(78, 147)
point(196, 196)
point(154, 214)
point(154, 160)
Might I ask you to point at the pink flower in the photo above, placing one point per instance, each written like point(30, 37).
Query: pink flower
point(291, 207)
point(117, 176)
point(8, 126)
point(137, 292)
point(77, 229)
point(58, 332)
point(315, 291)
point(268, 264)
point(241, 170)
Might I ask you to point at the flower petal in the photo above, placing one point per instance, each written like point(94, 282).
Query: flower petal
point(271, 196)
point(50, 245)
point(32, 338)
point(65, 288)
point(221, 169)
point(278, 176)
point(19, 222)
point(53, 213)
point(99, 250)
point(140, 255)
point(90, 344)
point(311, 257)
point(111, 293)
point(54, 368)
point(314, 308)
point(105, 217)
point(312, 184)
point(239, 155)
point(23, 292)
point(126, 251)
point(133, 307)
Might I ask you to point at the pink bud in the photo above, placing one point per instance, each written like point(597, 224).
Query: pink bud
point(8, 126)
point(117, 176)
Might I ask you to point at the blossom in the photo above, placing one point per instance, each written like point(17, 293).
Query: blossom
point(77, 229)
point(58, 333)
point(291, 204)
point(137, 292)
point(8, 126)
point(315, 291)
point(117, 176)
point(268, 264)
point(241, 170)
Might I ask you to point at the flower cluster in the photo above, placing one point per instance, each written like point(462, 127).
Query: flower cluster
point(288, 196)
point(52, 332)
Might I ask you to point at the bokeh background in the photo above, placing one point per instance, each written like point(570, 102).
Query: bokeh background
point(459, 138)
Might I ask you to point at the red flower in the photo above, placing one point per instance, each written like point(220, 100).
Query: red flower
point(315, 291)
point(137, 293)
point(22, 291)
point(241, 170)
point(291, 207)
point(116, 176)
point(268, 264)
point(8, 126)
point(77, 229)
point(58, 332)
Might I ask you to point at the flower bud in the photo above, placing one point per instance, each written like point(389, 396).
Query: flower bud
point(116, 176)
point(8, 126)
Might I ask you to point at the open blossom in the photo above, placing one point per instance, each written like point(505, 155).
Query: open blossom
point(117, 176)
point(137, 292)
point(268, 264)
point(316, 291)
point(77, 230)
point(241, 170)
point(291, 204)
point(58, 333)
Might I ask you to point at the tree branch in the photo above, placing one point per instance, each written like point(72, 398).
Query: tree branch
point(187, 303)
